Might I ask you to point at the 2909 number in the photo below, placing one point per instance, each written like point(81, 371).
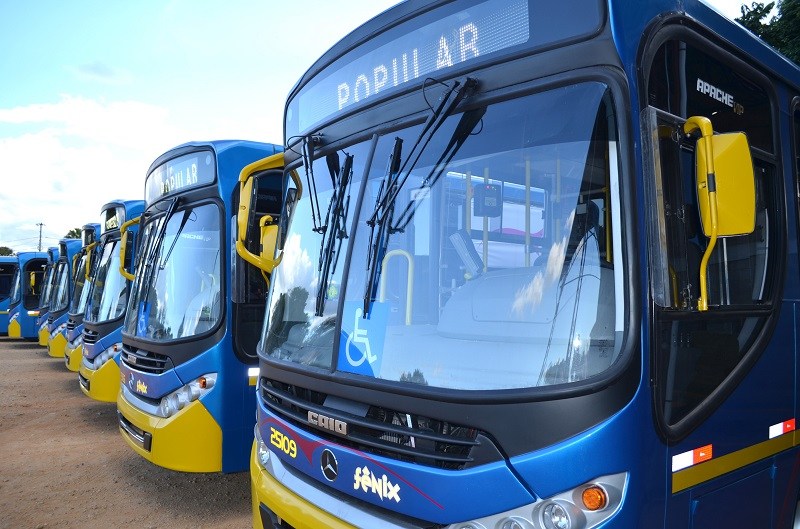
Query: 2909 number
point(283, 443)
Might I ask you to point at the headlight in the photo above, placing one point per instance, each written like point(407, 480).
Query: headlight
point(183, 396)
point(61, 328)
point(583, 507)
point(105, 356)
point(261, 449)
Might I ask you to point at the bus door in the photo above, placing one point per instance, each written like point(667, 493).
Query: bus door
point(722, 375)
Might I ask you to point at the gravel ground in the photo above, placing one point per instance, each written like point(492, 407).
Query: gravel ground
point(63, 462)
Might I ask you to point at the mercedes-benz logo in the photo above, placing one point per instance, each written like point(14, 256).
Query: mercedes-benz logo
point(329, 465)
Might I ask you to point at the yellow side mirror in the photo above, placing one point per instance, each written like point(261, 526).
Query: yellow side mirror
point(123, 247)
point(268, 231)
point(725, 189)
point(735, 185)
point(89, 249)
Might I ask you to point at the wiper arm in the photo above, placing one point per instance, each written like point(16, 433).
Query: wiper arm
point(446, 106)
point(469, 120)
point(186, 214)
point(336, 217)
point(381, 219)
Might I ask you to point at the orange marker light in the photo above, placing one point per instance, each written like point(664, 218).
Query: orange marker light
point(594, 498)
point(202, 382)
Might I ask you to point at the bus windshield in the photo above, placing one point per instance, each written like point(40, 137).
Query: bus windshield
point(108, 296)
point(178, 291)
point(15, 287)
point(48, 286)
point(79, 294)
point(495, 267)
point(7, 272)
point(60, 295)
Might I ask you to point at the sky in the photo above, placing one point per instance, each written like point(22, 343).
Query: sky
point(92, 91)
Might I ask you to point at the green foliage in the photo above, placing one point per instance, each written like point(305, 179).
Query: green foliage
point(5, 250)
point(74, 233)
point(782, 31)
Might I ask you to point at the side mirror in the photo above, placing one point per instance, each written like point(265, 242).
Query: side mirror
point(89, 249)
point(123, 247)
point(268, 231)
point(726, 193)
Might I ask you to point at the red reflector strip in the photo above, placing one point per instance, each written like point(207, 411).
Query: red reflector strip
point(692, 457)
point(781, 428)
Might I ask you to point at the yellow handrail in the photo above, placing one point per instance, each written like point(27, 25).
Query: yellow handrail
point(89, 248)
point(706, 132)
point(409, 284)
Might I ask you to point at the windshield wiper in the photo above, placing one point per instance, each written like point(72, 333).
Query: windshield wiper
point(381, 218)
point(155, 243)
point(308, 164)
point(392, 185)
point(186, 214)
point(336, 217)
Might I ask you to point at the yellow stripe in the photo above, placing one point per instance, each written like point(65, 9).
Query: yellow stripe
point(716, 467)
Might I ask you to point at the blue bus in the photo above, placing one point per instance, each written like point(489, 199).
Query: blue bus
point(26, 290)
point(99, 376)
point(85, 261)
point(8, 266)
point(44, 299)
point(542, 273)
point(188, 342)
point(60, 296)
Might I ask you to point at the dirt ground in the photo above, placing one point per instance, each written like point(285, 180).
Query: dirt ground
point(63, 462)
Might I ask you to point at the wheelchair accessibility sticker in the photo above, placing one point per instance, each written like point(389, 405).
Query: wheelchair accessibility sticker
point(361, 343)
point(142, 319)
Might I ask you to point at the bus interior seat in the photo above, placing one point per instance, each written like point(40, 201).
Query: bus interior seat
point(465, 248)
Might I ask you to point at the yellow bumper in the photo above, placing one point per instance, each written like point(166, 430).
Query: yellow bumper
point(298, 512)
point(103, 383)
point(14, 330)
point(55, 347)
point(189, 441)
point(74, 357)
point(44, 336)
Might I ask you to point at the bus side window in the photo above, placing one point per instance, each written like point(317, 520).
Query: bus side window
point(697, 353)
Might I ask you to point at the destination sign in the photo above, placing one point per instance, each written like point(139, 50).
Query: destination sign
point(192, 170)
point(112, 219)
point(428, 51)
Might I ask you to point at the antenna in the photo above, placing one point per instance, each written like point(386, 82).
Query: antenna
point(40, 224)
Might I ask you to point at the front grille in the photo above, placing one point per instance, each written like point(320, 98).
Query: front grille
point(145, 361)
point(71, 324)
point(50, 320)
point(90, 337)
point(380, 431)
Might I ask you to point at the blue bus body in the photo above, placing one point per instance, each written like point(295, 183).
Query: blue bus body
point(26, 291)
point(60, 296)
point(102, 322)
point(8, 265)
point(44, 299)
point(187, 397)
point(545, 370)
point(84, 268)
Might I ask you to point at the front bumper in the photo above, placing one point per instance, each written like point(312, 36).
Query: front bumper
point(73, 356)
point(100, 384)
point(189, 441)
point(14, 329)
point(56, 346)
point(280, 501)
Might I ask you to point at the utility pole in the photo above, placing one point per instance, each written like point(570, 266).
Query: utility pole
point(40, 224)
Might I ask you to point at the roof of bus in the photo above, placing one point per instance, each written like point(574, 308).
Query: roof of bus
point(8, 258)
point(133, 208)
point(24, 257)
point(633, 18)
point(220, 147)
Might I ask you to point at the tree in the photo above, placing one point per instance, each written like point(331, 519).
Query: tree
point(5, 250)
point(782, 31)
point(74, 233)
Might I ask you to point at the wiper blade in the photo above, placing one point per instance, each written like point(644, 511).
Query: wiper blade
point(384, 208)
point(308, 164)
point(336, 217)
point(381, 219)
